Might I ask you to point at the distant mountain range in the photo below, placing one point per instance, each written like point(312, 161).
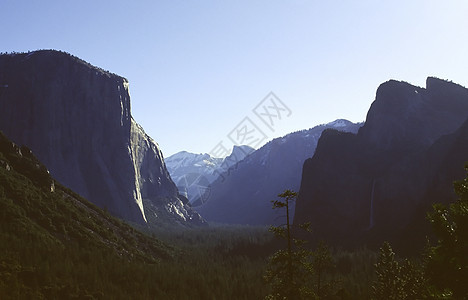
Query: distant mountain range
point(193, 173)
point(76, 118)
point(378, 184)
point(243, 194)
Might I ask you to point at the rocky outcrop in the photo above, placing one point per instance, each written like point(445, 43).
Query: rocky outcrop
point(243, 194)
point(377, 184)
point(183, 164)
point(22, 160)
point(76, 119)
point(193, 173)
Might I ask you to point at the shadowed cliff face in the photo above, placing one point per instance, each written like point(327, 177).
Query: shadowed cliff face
point(376, 185)
point(405, 117)
point(76, 119)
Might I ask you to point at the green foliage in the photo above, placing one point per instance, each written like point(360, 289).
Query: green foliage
point(397, 280)
point(447, 262)
point(322, 263)
point(297, 272)
point(354, 273)
point(444, 273)
point(57, 245)
point(290, 275)
point(290, 270)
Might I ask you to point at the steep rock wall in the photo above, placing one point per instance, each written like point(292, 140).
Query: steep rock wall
point(76, 119)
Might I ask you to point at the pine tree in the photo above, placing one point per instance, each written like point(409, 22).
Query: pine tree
point(447, 262)
point(290, 270)
point(389, 283)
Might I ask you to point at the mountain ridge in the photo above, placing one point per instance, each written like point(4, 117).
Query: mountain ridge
point(242, 195)
point(193, 173)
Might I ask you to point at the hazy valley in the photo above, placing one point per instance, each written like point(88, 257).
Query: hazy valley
point(92, 208)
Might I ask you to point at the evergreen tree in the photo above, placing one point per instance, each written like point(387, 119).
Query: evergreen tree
point(321, 263)
point(290, 270)
point(397, 280)
point(447, 262)
point(445, 272)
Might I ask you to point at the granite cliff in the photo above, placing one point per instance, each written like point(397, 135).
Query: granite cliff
point(377, 184)
point(76, 119)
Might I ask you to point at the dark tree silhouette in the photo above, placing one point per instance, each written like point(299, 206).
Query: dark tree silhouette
point(444, 274)
point(447, 262)
point(398, 280)
point(296, 272)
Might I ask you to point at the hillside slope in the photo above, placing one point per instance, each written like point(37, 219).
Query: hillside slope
point(56, 243)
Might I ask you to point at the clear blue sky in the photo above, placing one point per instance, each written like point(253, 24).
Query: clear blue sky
point(198, 68)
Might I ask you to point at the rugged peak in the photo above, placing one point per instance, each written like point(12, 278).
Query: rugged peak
point(394, 90)
point(434, 83)
point(241, 151)
point(401, 112)
point(22, 160)
point(447, 91)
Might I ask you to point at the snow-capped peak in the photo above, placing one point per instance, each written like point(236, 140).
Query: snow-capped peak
point(339, 123)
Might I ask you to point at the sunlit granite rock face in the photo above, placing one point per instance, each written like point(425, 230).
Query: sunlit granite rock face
point(76, 119)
